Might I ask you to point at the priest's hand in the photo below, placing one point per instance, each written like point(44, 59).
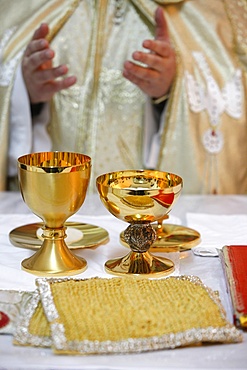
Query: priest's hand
point(155, 77)
point(42, 80)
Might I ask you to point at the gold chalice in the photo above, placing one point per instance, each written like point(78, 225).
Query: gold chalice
point(139, 197)
point(54, 186)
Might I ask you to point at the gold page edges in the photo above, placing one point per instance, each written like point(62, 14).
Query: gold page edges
point(123, 315)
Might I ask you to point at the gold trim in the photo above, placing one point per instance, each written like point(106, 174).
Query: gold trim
point(45, 14)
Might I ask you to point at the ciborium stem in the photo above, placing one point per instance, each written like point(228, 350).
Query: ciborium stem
point(140, 237)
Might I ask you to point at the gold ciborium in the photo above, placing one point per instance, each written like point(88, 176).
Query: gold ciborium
point(54, 186)
point(139, 197)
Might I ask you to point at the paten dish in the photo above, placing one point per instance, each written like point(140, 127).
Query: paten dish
point(80, 235)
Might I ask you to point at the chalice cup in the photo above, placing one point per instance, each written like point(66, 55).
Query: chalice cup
point(139, 197)
point(54, 186)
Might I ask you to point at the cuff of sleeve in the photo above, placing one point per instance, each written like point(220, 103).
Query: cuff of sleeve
point(160, 100)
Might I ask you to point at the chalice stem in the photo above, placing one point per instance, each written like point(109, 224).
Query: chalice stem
point(54, 257)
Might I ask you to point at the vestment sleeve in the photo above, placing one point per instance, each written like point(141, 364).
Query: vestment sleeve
point(26, 134)
point(154, 122)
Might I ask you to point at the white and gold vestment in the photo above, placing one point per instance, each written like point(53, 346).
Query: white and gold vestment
point(205, 129)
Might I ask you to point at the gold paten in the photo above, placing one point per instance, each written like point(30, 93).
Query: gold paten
point(54, 186)
point(171, 238)
point(139, 197)
point(27, 236)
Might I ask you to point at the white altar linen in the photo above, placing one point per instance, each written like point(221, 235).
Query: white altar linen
point(217, 231)
point(13, 212)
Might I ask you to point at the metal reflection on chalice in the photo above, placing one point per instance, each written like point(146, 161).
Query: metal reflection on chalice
point(54, 186)
point(139, 197)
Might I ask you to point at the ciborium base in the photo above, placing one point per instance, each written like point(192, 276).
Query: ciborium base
point(54, 259)
point(141, 264)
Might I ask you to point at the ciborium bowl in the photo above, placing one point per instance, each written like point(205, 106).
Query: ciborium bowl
point(139, 197)
point(54, 186)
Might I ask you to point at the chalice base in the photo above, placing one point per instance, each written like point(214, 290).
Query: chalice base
point(54, 259)
point(141, 264)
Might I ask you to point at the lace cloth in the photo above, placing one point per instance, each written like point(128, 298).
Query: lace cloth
point(122, 315)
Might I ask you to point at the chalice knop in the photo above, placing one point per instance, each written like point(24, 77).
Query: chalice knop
point(139, 197)
point(54, 186)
